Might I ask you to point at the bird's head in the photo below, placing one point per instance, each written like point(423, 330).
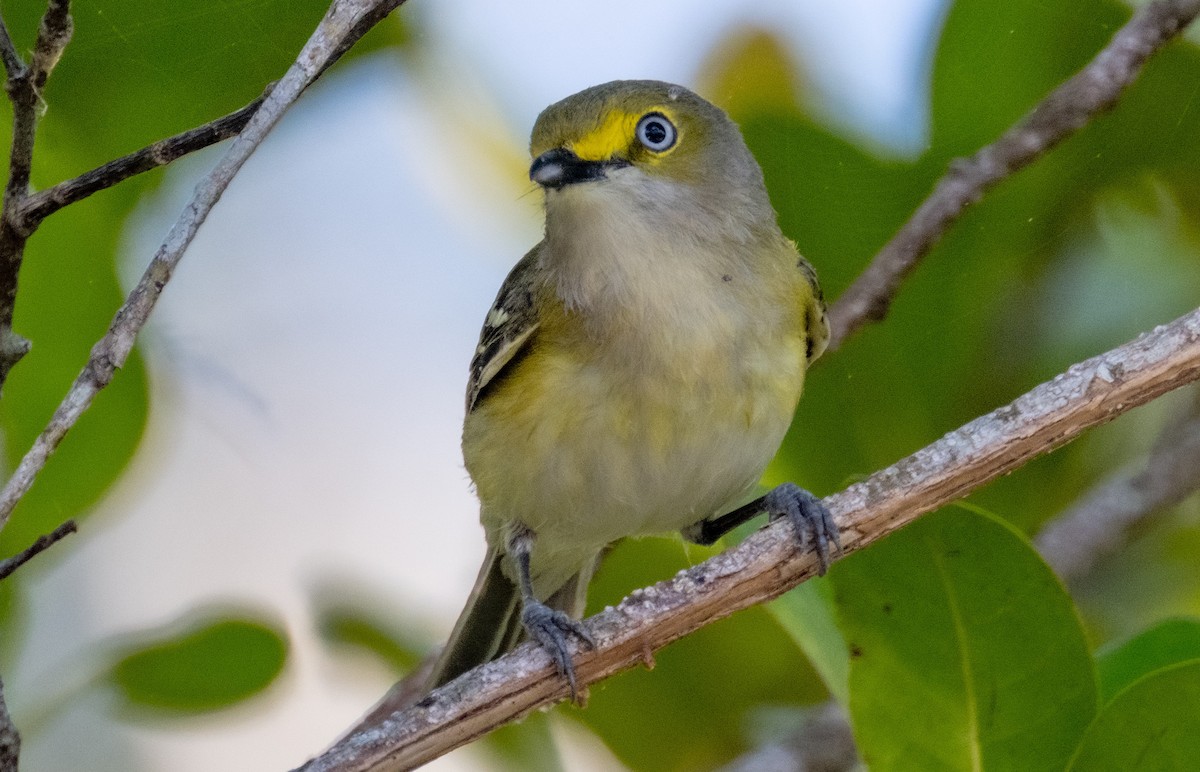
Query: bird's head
point(649, 143)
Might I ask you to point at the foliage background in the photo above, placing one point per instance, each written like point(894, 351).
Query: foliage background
point(275, 520)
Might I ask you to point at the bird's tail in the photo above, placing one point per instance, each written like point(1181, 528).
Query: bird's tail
point(490, 624)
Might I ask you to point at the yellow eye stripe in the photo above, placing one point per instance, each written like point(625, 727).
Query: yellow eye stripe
point(613, 136)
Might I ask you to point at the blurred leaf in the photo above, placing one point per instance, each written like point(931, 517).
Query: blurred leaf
point(1143, 240)
point(751, 72)
point(66, 300)
point(353, 615)
point(357, 628)
point(995, 61)
point(694, 703)
point(966, 652)
point(202, 665)
point(1167, 643)
point(13, 611)
point(1153, 577)
point(1152, 724)
point(807, 614)
point(524, 746)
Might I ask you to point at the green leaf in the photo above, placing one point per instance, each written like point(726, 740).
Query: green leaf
point(356, 628)
point(807, 614)
point(352, 616)
point(1165, 644)
point(966, 652)
point(526, 745)
point(1153, 724)
point(995, 61)
point(207, 665)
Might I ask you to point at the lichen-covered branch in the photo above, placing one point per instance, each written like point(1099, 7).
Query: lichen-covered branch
point(768, 564)
point(1067, 109)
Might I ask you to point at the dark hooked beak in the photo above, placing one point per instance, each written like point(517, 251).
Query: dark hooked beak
point(558, 167)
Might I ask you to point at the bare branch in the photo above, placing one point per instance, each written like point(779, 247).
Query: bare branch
point(24, 87)
point(53, 35)
point(36, 207)
point(1097, 525)
point(13, 64)
point(342, 25)
point(9, 565)
point(1067, 109)
point(768, 564)
point(10, 740)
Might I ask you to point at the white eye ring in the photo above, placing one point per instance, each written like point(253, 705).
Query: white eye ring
point(656, 133)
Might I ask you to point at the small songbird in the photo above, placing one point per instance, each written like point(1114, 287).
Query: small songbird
point(640, 365)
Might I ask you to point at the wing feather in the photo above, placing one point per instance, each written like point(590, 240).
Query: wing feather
point(508, 328)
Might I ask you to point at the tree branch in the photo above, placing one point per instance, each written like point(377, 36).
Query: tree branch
point(1097, 524)
point(53, 35)
point(768, 564)
point(36, 207)
point(13, 64)
point(24, 87)
point(9, 565)
point(10, 739)
point(344, 23)
point(1067, 109)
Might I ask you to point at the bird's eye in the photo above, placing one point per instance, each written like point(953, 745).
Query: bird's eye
point(656, 132)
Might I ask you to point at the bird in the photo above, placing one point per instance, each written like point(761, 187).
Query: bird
point(639, 366)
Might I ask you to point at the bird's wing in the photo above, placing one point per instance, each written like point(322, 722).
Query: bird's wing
point(818, 320)
point(509, 326)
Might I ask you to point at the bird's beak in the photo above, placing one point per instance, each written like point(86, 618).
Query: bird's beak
point(558, 167)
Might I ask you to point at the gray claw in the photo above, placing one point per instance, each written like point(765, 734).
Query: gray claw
point(809, 517)
point(550, 629)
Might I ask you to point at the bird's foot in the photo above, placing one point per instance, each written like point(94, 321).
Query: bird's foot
point(550, 629)
point(812, 521)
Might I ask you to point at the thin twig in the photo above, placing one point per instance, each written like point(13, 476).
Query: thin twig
point(24, 87)
point(768, 562)
point(1067, 109)
point(9, 565)
point(342, 25)
point(1099, 522)
point(13, 63)
point(36, 207)
point(10, 739)
point(53, 35)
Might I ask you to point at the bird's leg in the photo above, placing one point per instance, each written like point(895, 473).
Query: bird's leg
point(549, 627)
point(812, 521)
